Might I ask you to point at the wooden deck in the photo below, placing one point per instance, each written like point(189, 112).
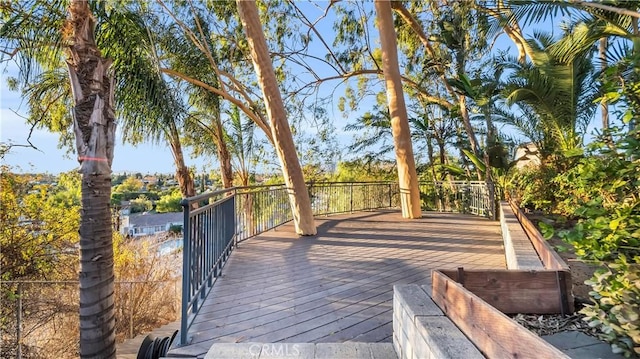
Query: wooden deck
point(336, 286)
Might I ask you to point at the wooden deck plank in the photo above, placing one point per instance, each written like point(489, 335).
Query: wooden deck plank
point(336, 286)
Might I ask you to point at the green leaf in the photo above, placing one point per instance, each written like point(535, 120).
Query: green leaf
point(475, 160)
point(613, 225)
point(573, 152)
point(547, 230)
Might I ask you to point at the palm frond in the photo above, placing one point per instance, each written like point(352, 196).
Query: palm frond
point(32, 33)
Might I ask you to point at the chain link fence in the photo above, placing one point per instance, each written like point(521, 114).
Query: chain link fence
point(39, 319)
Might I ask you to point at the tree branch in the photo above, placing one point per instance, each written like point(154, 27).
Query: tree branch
point(617, 10)
point(255, 117)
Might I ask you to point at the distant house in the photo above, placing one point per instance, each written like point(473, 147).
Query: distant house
point(147, 224)
point(527, 155)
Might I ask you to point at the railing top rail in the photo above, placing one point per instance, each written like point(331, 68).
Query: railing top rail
point(455, 182)
point(204, 208)
point(260, 186)
point(207, 195)
point(351, 182)
point(201, 197)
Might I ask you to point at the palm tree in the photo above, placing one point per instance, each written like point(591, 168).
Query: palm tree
point(591, 23)
point(34, 33)
point(94, 126)
point(146, 103)
point(151, 107)
point(184, 56)
point(407, 177)
point(555, 96)
point(281, 133)
point(240, 136)
point(141, 94)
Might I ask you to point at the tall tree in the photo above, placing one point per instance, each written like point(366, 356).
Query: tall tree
point(281, 133)
point(94, 126)
point(407, 177)
point(455, 24)
point(146, 103)
point(555, 96)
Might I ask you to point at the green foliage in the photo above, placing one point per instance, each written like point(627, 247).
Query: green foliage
point(605, 195)
point(534, 188)
point(170, 202)
point(130, 184)
point(141, 204)
point(362, 170)
point(602, 190)
point(616, 291)
point(39, 226)
point(175, 229)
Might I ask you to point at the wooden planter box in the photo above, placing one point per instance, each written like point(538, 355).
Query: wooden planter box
point(491, 331)
point(476, 301)
point(549, 257)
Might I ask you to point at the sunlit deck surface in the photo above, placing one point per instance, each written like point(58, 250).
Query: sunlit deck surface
point(336, 286)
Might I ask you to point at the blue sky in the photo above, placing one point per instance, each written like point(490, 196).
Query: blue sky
point(145, 158)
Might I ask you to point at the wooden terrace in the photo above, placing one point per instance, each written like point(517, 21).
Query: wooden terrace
point(336, 286)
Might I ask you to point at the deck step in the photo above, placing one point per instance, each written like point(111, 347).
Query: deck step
point(351, 350)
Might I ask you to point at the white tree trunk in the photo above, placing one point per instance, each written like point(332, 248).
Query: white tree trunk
point(281, 133)
point(407, 176)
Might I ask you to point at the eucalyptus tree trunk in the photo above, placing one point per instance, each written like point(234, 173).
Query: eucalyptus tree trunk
point(407, 176)
point(94, 127)
point(281, 133)
point(461, 99)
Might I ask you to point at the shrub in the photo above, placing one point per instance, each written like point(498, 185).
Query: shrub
point(175, 229)
point(533, 188)
point(616, 292)
point(605, 191)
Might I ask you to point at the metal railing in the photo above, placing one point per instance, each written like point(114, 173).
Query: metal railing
point(474, 197)
point(261, 208)
point(344, 197)
point(215, 222)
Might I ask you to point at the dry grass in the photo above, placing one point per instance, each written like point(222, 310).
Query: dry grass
point(147, 296)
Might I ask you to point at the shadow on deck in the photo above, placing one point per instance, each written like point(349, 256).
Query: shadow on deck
point(336, 286)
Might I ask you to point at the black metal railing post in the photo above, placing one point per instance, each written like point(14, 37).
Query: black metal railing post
point(186, 265)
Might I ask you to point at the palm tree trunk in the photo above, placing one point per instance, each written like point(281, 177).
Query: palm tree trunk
point(602, 49)
point(466, 121)
point(432, 160)
point(407, 177)
point(183, 175)
point(224, 157)
point(604, 107)
point(282, 138)
point(94, 126)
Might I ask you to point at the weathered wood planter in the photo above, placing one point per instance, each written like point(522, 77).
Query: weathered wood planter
point(492, 332)
point(476, 301)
